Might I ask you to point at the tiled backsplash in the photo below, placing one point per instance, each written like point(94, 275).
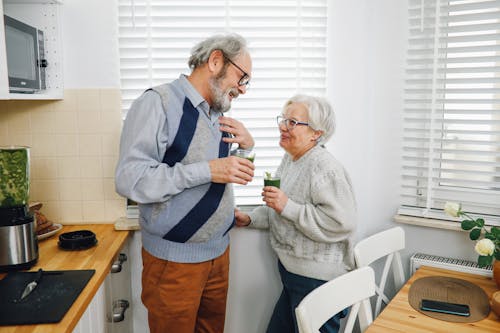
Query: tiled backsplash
point(74, 149)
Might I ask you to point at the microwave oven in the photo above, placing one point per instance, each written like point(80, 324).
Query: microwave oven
point(25, 56)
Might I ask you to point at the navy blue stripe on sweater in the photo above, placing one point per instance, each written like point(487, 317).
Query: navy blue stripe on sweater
point(202, 211)
point(187, 126)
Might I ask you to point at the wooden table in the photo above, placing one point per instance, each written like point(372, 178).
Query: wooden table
point(99, 257)
point(399, 316)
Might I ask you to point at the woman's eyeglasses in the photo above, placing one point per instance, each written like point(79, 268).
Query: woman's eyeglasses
point(245, 79)
point(290, 124)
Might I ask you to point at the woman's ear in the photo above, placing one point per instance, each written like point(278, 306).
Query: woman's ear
point(317, 135)
point(215, 61)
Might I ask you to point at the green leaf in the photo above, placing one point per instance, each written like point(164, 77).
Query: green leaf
point(484, 261)
point(495, 231)
point(480, 223)
point(497, 254)
point(468, 224)
point(475, 233)
point(489, 235)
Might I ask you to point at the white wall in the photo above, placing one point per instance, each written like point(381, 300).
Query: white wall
point(90, 42)
point(367, 42)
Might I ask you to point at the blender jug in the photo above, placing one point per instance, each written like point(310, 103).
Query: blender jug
point(18, 242)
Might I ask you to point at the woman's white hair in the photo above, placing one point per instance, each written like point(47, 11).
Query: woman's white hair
point(320, 114)
point(232, 45)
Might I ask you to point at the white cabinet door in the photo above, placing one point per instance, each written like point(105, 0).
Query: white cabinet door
point(45, 15)
point(115, 291)
point(119, 303)
point(94, 318)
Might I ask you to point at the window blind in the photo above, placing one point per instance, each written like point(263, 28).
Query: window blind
point(451, 143)
point(287, 42)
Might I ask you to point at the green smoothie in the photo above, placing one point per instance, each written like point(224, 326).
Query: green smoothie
point(243, 153)
point(14, 176)
point(270, 180)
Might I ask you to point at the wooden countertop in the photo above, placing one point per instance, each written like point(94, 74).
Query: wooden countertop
point(99, 257)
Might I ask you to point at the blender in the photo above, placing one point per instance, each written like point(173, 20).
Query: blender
point(18, 241)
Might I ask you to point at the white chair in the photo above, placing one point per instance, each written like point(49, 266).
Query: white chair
point(387, 244)
point(351, 289)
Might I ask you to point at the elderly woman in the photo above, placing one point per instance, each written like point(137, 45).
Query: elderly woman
point(312, 216)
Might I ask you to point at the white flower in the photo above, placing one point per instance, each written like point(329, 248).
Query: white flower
point(485, 247)
point(452, 208)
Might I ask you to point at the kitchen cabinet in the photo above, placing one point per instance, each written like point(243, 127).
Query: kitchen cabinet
point(99, 258)
point(45, 15)
point(110, 309)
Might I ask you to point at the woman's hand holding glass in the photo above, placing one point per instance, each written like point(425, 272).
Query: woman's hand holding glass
point(274, 198)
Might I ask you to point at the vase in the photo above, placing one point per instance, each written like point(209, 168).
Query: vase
point(496, 272)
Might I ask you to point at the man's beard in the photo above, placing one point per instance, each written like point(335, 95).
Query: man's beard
point(220, 98)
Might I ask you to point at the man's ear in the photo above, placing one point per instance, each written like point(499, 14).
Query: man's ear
point(215, 61)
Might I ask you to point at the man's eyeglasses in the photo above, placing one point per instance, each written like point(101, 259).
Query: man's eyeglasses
point(245, 79)
point(290, 124)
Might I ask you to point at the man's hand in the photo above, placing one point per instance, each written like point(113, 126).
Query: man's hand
point(231, 169)
point(239, 133)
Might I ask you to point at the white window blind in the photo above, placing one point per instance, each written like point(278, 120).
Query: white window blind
point(287, 41)
point(451, 143)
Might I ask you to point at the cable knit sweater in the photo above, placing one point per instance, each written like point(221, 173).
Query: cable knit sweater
point(313, 235)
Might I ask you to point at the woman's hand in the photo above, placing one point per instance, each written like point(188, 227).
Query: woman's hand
point(274, 198)
point(242, 219)
point(239, 133)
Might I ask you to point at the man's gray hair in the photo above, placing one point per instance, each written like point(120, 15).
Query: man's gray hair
point(320, 114)
point(232, 45)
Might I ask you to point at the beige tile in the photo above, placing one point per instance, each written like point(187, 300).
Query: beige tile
point(3, 106)
point(111, 122)
point(44, 190)
point(89, 122)
point(51, 210)
point(111, 100)
point(19, 121)
point(93, 211)
point(88, 101)
point(42, 121)
point(65, 122)
point(69, 103)
point(91, 167)
point(20, 139)
point(70, 189)
point(114, 209)
point(92, 189)
point(71, 211)
point(40, 106)
point(90, 144)
point(109, 189)
point(44, 145)
point(67, 145)
point(108, 166)
point(4, 116)
point(110, 144)
point(68, 167)
point(43, 168)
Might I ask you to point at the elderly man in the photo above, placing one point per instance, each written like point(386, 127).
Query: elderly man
point(174, 162)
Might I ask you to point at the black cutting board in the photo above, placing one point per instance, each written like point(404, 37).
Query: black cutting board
point(48, 303)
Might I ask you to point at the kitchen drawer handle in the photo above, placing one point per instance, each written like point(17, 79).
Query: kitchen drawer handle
point(119, 307)
point(117, 265)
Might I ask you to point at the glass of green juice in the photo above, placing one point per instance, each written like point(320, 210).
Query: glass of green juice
point(271, 180)
point(244, 153)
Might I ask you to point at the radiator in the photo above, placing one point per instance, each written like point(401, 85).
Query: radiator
point(460, 265)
